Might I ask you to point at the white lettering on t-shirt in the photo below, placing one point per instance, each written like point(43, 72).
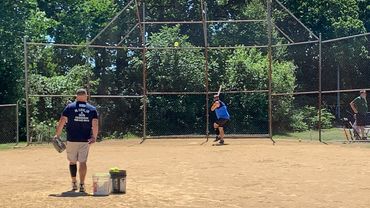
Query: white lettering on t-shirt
point(81, 116)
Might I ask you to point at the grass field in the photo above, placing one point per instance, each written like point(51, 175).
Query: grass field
point(333, 134)
point(12, 145)
point(328, 135)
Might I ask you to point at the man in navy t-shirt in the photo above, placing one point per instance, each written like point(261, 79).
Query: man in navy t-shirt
point(81, 120)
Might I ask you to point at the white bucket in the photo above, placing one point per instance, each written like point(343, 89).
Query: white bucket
point(101, 184)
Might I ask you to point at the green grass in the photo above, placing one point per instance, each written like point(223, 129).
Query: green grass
point(11, 145)
point(333, 134)
point(121, 136)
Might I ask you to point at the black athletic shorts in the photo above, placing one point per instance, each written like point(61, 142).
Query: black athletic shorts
point(222, 122)
point(360, 119)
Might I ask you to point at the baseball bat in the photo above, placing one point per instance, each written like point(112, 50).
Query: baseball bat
point(219, 90)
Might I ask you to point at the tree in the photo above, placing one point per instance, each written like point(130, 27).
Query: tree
point(13, 15)
point(332, 18)
point(364, 6)
point(46, 110)
point(247, 70)
point(175, 70)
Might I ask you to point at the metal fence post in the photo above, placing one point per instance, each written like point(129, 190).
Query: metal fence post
point(17, 119)
point(26, 88)
point(269, 30)
point(320, 87)
point(205, 36)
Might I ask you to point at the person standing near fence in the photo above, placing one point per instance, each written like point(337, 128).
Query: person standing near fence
point(81, 119)
point(359, 107)
point(223, 117)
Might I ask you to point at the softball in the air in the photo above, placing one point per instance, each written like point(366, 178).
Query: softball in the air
point(176, 44)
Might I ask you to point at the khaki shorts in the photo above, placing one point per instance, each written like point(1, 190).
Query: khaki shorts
point(77, 151)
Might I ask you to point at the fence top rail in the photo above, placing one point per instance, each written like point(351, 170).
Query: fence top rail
point(195, 47)
point(294, 93)
point(235, 21)
point(209, 92)
point(345, 90)
point(297, 43)
point(116, 96)
point(92, 96)
point(84, 45)
point(171, 22)
point(346, 37)
point(317, 92)
point(204, 93)
point(8, 105)
point(201, 22)
point(191, 136)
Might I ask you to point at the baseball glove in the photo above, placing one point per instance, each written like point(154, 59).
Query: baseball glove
point(59, 144)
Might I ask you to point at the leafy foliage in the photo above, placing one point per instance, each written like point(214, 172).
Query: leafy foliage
point(247, 69)
point(307, 118)
point(57, 85)
point(174, 70)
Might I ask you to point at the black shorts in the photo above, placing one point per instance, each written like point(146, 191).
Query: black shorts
point(222, 122)
point(360, 119)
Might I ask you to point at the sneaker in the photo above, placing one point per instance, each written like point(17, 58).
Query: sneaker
point(217, 138)
point(82, 187)
point(74, 186)
point(221, 141)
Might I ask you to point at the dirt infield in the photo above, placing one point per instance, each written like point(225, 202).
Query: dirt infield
point(183, 173)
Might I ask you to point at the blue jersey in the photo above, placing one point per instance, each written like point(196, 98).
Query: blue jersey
point(79, 125)
point(221, 111)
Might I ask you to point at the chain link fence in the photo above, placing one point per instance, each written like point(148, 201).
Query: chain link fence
point(9, 125)
point(346, 70)
point(159, 78)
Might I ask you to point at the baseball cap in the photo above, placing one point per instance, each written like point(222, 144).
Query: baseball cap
point(81, 92)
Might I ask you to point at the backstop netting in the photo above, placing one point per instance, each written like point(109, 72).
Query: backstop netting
point(114, 85)
point(155, 75)
point(168, 94)
point(9, 123)
point(346, 71)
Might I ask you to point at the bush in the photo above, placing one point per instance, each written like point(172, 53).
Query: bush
point(42, 131)
point(307, 118)
point(297, 122)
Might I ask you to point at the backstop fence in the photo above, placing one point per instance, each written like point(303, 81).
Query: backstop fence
point(9, 123)
point(155, 77)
